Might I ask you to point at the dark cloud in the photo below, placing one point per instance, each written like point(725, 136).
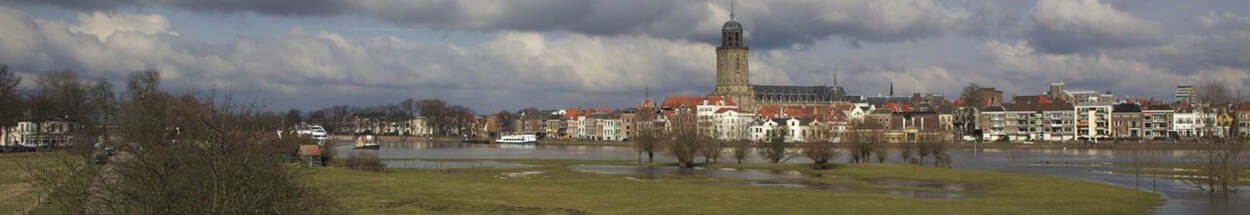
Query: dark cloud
point(774, 23)
point(275, 7)
point(1068, 26)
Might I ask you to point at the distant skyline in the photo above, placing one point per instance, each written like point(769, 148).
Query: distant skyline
point(511, 54)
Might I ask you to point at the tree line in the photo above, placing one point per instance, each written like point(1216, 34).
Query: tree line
point(681, 139)
point(185, 153)
point(444, 119)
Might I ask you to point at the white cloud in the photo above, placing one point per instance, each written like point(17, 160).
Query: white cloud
point(514, 68)
point(103, 25)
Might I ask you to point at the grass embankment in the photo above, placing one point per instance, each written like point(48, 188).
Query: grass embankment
point(17, 194)
point(560, 190)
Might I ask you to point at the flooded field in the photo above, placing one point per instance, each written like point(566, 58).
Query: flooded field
point(1084, 164)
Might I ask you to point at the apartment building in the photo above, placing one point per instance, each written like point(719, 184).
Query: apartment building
point(1092, 120)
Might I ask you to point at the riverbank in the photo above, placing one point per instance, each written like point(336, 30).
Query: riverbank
point(987, 145)
point(553, 187)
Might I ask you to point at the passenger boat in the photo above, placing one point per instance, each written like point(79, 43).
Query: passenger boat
point(367, 142)
point(524, 139)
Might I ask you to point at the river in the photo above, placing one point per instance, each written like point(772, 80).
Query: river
point(1179, 197)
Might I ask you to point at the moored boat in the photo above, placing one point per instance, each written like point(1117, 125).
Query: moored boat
point(367, 142)
point(524, 139)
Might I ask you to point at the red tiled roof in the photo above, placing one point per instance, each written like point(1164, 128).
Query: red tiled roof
point(896, 107)
point(679, 101)
point(823, 113)
point(1038, 99)
point(571, 113)
point(959, 102)
point(1244, 107)
point(715, 100)
point(722, 110)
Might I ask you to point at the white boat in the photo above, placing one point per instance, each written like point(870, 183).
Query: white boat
point(367, 142)
point(518, 139)
point(314, 132)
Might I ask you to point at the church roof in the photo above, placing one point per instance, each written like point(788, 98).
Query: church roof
point(798, 93)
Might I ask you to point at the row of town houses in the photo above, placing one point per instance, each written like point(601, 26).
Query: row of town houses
point(1058, 115)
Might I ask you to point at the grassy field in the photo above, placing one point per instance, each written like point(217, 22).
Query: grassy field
point(558, 190)
point(16, 192)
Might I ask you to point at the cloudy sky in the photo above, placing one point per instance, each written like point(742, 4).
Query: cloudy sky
point(510, 54)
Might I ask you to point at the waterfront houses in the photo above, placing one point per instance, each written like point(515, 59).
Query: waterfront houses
point(41, 133)
point(1092, 120)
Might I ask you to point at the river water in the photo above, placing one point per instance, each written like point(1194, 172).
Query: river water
point(1082, 164)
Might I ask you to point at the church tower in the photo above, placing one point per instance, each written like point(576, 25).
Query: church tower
point(731, 65)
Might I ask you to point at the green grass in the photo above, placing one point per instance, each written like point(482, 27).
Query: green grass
point(562, 191)
point(16, 191)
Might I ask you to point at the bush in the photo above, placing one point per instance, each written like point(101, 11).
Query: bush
point(363, 160)
point(184, 155)
point(774, 149)
point(820, 152)
point(741, 148)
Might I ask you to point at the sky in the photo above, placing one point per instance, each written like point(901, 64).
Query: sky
point(510, 54)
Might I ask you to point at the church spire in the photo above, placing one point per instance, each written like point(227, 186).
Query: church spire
point(891, 87)
point(731, 9)
point(835, 75)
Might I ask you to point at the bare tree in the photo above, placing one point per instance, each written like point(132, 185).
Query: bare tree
point(1220, 165)
point(1222, 158)
point(185, 154)
point(646, 141)
point(740, 149)
point(10, 98)
point(684, 138)
point(711, 148)
point(820, 150)
point(774, 149)
point(294, 116)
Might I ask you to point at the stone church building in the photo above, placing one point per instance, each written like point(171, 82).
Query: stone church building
point(733, 78)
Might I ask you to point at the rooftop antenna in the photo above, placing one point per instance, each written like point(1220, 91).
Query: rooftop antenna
point(731, 9)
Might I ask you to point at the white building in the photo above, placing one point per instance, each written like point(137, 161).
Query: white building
point(762, 129)
point(732, 124)
point(796, 130)
point(611, 129)
point(858, 111)
point(1188, 123)
point(41, 134)
point(1092, 120)
point(418, 126)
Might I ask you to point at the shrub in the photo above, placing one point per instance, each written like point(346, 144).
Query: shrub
point(363, 160)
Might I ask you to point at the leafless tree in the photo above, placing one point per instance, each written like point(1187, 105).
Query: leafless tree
point(820, 150)
point(188, 154)
point(711, 148)
point(684, 138)
point(1221, 162)
point(740, 149)
point(645, 141)
point(774, 149)
point(1222, 159)
point(10, 98)
point(865, 142)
